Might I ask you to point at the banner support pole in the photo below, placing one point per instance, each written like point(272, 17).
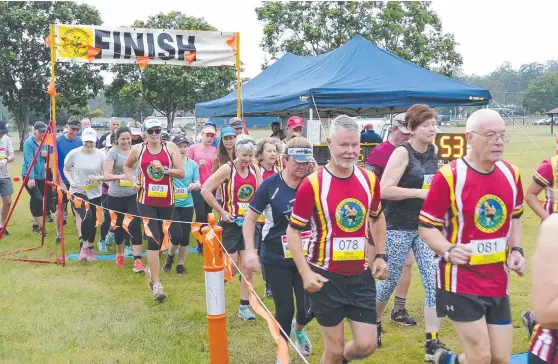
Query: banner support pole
point(238, 80)
point(53, 96)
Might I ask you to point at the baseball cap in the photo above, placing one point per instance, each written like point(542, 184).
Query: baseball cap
point(39, 126)
point(181, 140)
point(227, 131)
point(301, 155)
point(165, 137)
point(368, 127)
point(399, 123)
point(4, 127)
point(89, 135)
point(74, 123)
point(236, 123)
point(152, 124)
point(209, 128)
point(295, 122)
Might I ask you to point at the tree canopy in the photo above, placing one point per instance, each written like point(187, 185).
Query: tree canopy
point(542, 94)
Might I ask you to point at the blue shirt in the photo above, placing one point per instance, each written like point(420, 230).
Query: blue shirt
point(191, 174)
point(39, 169)
point(216, 142)
point(64, 146)
point(370, 136)
point(276, 194)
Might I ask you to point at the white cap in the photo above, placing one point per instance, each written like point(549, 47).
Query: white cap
point(89, 135)
point(136, 131)
point(152, 123)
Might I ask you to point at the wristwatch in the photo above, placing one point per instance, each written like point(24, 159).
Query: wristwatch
point(166, 170)
point(382, 256)
point(518, 249)
point(447, 254)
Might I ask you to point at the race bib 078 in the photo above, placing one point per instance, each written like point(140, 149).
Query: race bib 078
point(488, 251)
point(158, 191)
point(305, 240)
point(349, 248)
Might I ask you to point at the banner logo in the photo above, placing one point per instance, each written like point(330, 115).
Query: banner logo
point(74, 41)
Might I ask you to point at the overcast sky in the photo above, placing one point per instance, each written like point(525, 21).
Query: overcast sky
point(488, 32)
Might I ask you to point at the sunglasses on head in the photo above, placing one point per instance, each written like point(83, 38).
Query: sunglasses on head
point(156, 131)
point(246, 141)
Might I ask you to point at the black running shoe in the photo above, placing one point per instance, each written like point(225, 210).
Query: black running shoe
point(49, 218)
point(528, 323)
point(432, 347)
point(402, 317)
point(168, 263)
point(36, 229)
point(181, 269)
point(380, 331)
point(444, 357)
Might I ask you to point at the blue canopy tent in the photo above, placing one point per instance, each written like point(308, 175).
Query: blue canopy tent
point(358, 78)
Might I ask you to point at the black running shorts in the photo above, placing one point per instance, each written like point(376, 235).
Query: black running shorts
point(468, 308)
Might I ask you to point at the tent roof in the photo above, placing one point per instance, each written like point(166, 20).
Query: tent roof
point(358, 78)
point(553, 111)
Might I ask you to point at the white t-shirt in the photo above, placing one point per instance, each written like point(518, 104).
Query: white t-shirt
point(82, 166)
point(6, 148)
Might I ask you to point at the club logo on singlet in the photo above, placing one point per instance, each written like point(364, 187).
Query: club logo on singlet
point(153, 174)
point(245, 192)
point(349, 215)
point(490, 214)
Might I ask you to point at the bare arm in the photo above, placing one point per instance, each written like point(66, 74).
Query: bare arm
point(378, 231)
point(392, 175)
point(249, 229)
point(532, 199)
point(544, 274)
point(215, 164)
point(130, 163)
point(516, 231)
point(107, 172)
point(435, 240)
point(68, 173)
point(11, 157)
point(258, 177)
point(177, 170)
point(294, 241)
point(214, 181)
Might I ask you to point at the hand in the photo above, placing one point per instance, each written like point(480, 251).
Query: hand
point(517, 263)
point(379, 269)
point(157, 166)
point(312, 281)
point(43, 153)
point(423, 193)
point(30, 183)
point(95, 177)
point(135, 187)
point(250, 260)
point(460, 254)
point(3, 163)
point(63, 187)
point(226, 217)
point(194, 187)
point(202, 162)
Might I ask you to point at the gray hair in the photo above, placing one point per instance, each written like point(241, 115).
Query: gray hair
point(244, 144)
point(478, 117)
point(343, 122)
point(261, 145)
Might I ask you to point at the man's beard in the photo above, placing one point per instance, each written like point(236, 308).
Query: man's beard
point(343, 164)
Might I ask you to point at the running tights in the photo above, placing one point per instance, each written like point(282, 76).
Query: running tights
point(126, 205)
point(156, 226)
point(89, 217)
point(180, 232)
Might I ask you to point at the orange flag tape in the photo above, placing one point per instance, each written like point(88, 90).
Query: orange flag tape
point(282, 348)
point(112, 219)
point(78, 201)
point(142, 62)
point(126, 222)
point(228, 268)
point(196, 231)
point(166, 225)
point(147, 229)
point(86, 205)
point(232, 43)
point(51, 90)
point(190, 57)
point(92, 53)
point(99, 216)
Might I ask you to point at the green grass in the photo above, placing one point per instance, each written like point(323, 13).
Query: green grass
point(94, 313)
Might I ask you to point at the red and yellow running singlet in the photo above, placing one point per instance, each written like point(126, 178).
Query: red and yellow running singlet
point(156, 188)
point(238, 191)
point(546, 177)
point(266, 173)
point(544, 345)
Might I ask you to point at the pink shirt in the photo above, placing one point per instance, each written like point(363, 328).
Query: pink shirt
point(199, 152)
point(379, 157)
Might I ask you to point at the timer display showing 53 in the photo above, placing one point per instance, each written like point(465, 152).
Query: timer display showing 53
point(451, 146)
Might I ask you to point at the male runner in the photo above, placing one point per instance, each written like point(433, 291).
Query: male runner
point(340, 200)
point(477, 201)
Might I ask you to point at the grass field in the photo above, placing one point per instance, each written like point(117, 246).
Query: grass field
point(90, 312)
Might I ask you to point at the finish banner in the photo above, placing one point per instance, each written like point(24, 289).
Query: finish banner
point(99, 44)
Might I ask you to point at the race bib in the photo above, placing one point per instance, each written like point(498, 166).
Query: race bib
point(305, 240)
point(2, 153)
point(181, 193)
point(488, 251)
point(242, 207)
point(427, 181)
point(261, 219)
point(125, 183)
point(349, 248)
point(158, 191)
point(90, 185)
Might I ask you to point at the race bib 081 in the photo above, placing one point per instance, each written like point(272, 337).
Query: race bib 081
point(305, 240)
point(488, 251)
point(158, 191)
point(349, 248)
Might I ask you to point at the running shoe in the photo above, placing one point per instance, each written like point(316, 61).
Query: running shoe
point(91, 254)
point(138, 266)
point(58, 238)
point(36, 229)
point(402, 317)
point(444, 357)
point(6, 233)
point(244, 312)
point(167, 267)
point(149, 281)
point(432, 347)
point(302, 341)
point(268, 293)
point(158, 292)
point(380, 332)
point(110, 238)
point(84, 253)
point(128, 251)
point(49, 218)
point(119, 260)
point(528, 322)
point(181, 269)
point(102, 246)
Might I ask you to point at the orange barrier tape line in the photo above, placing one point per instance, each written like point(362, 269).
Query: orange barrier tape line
point(147, 229)
point(113, 219)
point(99, 217)
point(166, 225)
point(126, 222)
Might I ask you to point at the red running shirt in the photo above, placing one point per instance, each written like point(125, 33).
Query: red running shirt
point(338, 209)
point(238, 191)
point(265, 173)
point(544, 345)
point(156, 188)
point(474, 208)
point(547, 178)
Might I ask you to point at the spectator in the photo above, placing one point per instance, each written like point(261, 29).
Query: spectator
point(237, 125)
point(277, 132)
point(6, 189)
point(368, 135)
point(137, 133)
point(108, 140)
point(85, 123)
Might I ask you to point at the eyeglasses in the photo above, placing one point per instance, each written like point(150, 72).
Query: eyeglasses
point(156, 131)
point(493, 137)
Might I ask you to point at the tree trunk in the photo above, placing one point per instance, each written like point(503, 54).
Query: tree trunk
point(23, 129)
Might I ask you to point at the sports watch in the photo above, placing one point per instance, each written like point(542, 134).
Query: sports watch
point(382, 256)
point(447, 254)
point(518, 249)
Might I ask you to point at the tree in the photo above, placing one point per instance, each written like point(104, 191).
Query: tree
point(542, 94)
point(410, 30)
point(25, 59)
point(97, 113)
point(168, 88)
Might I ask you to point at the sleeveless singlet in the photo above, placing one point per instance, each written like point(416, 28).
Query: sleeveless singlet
point(265, 173)
point(156, 188)
point(239, 191)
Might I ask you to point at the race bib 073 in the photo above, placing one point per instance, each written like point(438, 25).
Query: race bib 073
point(427, 181)
point(305, 240)
point(349, 248)
point(181, 193)
point(488, 251)
point(158, 191)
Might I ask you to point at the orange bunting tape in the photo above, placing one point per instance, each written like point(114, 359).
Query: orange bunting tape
point(142, 62)
point(282, 348)
point(228, 268)
point(51, 90)
point(232, 43)
point(113, 219)
point(210, 242)
point(126, 222)
point(49, 40)
point(92, 53)
point(147, 229)
point(86, 205)
point(166, 225)
point(196, 231)
point(77, 202)
point(99, 216)
point(190, 57)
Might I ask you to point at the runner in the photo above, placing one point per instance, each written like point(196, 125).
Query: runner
point(295, 124)
point(203, 153)
point(158, 164)
point(225, 154)
point(376, 162)
point(81, 167)
point(183, 209)
point(121, 197)
point(275, 198)
point(7, 155)
point(339, 199)
point(477, 201)
point(108, 140)
point(544, 271)
point(239, 180)
point(137, 132)
point(267, 155)
point(405, 184)
point(237, 125)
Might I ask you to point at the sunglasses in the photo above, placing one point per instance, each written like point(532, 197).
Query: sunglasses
point(156, 131)
point(75, 129)
point(246, 141)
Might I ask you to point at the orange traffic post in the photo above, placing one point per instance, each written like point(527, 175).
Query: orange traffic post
point(213, 266)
